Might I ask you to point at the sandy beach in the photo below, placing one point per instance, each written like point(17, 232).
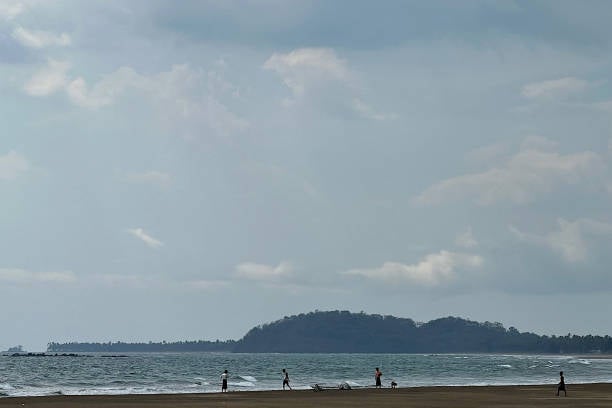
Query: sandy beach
point(580, 395)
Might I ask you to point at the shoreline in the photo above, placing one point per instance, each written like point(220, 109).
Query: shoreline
point(579, 395)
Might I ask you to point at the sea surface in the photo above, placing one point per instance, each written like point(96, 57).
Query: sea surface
point(148, 373)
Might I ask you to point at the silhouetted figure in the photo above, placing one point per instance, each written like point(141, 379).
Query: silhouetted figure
point(377, 376)
point(224, 381)
point(393, 384)
point(286, 379)
point(561, 386)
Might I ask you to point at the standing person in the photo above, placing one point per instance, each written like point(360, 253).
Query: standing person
point(377, 376)
point(561, 386)
point(286, 379)
point(224, 381)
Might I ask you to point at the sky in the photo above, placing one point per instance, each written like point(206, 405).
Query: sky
point(188, 170)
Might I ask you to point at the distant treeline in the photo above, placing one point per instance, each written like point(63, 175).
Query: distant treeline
point(121, 347)
point(345, 332)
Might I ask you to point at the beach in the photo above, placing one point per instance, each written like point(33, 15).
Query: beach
point(580, 395)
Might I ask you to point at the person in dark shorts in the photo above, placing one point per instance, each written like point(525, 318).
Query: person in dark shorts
point(377, 376)
point(224, 381)
point(286, 379)
point(561, 386)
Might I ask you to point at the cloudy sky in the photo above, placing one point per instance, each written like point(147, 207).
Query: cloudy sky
point(186, 170)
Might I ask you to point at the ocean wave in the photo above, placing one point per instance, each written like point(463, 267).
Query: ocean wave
point(248, 378)
point(6, 386)
point(241, 384)
point(579, 361)
point(504, 365)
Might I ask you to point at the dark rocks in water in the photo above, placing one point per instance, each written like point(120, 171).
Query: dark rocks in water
point(62, 355)
point(47, 355)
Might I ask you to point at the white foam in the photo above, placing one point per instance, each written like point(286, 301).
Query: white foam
point(242, 384)
point(579, 361)
point(249, 378)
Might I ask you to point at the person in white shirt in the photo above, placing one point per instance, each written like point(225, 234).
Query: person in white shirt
point(286, 379)
point(224, 381)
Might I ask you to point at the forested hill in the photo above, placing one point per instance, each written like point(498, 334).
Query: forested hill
point(345, 332)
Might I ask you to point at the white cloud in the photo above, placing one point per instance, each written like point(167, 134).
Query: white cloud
point(554, 88)
point(146, 238)
point(22, 276)
point(368, 112)
point(570, 239)
point(190, 99)
point(150, 177)
point(303, 65)
point(261, 272)
point(13, 165)
point(466, 240)
point(11, 9)
point(433, 270)
point(48, 80)
point(186, 99)
point(105, 91)
point(320, 74)
point(519, 179)
point(40, 39)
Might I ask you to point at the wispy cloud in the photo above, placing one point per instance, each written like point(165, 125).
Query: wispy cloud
point(530, 172)
point(368, 112)
point(570, 239)
point(11, 9)
point(186, 98)
point(262, 272)
point(22, 276)
point(554, 88)
point(13, 165)
point(433, 270)
point(312, 72)
point(466, 240)
point(49, 79)
point(302, 66)
point(150, 177)
point(146, 238)
point(40, 39)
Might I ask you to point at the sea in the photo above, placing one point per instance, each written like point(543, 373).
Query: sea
point(153, 373)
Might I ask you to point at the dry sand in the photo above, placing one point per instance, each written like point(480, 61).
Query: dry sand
point(583, 395)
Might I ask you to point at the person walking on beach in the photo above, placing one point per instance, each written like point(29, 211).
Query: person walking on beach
point(286, 379)
point(224, 381)
point(561, 386)
point(377, 376)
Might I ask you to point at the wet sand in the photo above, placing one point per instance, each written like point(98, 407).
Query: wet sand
point(580, 395)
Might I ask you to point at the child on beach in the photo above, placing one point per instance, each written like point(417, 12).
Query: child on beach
point(561, 386)
point(224, 381)
point(377, 376)
point(286, 379)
